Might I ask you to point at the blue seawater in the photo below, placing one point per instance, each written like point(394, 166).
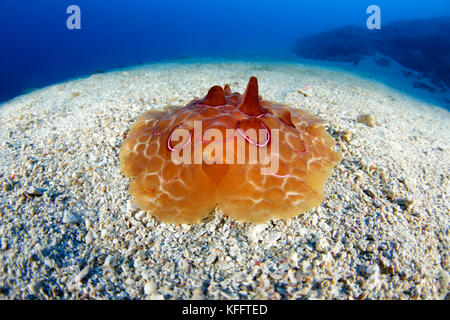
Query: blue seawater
point(37, 48)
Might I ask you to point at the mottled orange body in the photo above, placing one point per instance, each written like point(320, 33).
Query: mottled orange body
point(185, 193)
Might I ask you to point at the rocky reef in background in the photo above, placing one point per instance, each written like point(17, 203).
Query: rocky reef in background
point(421, 45)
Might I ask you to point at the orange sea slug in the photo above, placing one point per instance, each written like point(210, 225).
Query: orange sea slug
point(259, 160)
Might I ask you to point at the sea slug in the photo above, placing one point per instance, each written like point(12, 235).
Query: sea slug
point(253, 159)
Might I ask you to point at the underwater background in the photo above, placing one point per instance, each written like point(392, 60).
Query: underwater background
point(37, 48)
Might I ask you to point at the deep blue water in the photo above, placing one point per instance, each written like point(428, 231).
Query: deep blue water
point(37, 49)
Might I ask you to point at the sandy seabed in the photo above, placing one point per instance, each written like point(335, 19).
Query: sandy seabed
point(69, 228)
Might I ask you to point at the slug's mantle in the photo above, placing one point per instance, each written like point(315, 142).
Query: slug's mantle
point(186, 192)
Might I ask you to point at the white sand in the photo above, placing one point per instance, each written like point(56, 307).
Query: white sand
point(69, 229)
